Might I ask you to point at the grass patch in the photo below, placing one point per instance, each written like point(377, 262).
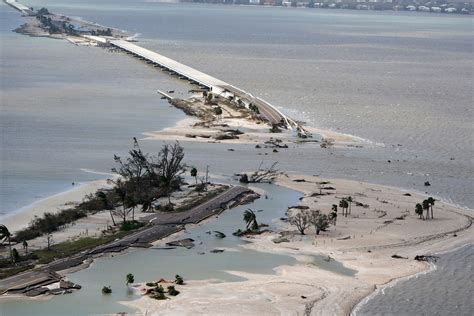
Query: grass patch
point(5, 273)
point(69, 248)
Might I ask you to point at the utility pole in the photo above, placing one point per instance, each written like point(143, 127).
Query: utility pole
point(207, 175)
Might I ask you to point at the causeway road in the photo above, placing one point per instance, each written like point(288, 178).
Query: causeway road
point(160, 225)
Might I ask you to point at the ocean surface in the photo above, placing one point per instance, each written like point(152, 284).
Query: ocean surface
point(400, 80)
point(448, 290)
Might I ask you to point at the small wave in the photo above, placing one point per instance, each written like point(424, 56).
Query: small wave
point(98, 172)
point(134, 37)
point(381, 290)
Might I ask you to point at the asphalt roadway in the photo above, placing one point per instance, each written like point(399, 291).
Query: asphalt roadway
point(160, 225)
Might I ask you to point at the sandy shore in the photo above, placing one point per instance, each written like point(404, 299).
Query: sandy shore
point(54, 203)
point(254, 133)
point(306, 288)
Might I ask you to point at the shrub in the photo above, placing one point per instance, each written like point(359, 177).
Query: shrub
point(106, 290)
point(130, 225)
point(179, 280)
point(172, 291)
point(150, 284)
point(200, 187)
point(130, 278)
point(15, 255)
point(158, 296)
point(159, 289)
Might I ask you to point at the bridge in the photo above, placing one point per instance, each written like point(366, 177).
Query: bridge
point(18, 6)
point(214, 85)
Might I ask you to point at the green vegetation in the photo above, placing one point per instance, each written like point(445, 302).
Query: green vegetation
point(100, 32)
point(129, 278)
point(15, 255)
point(344, 204)
point(54, 27)
point(69, 248)
point(179, 280)
point(25, 246)
point(172, 291)
point(217, 110)
point(198, 201)
point(143, 180)
point(5, 273)
point(321, 222)
point(426, 205)
point(106, 290)
point(250, 219)
point(6, 235)
point(194, 173)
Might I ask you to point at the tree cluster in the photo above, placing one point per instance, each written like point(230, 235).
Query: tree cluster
point(346, 205)
point(426, 205)
point(143, 179)
point(304, 219)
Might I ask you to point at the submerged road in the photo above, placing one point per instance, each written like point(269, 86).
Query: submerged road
point(160, 226)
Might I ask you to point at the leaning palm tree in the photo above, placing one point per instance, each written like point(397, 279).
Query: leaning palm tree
point(419, 210)
point(426, 206)
point(6, 235)
point(250, 219)
point(105, 202)
point(431, 201)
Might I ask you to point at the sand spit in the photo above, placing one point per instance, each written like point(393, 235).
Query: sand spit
point(54, 203)
point(384, 224)
point(189, 130)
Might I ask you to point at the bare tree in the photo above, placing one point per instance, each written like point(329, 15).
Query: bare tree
point(300, 220)
point(261, 175)
point(169, 167)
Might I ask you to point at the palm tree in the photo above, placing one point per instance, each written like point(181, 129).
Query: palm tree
point(426, 206)
point(194, 174)
point(419, 210)
point(333, 217)
point(103, 198)
point(6, 235)
point(250, 219)
point(349, 199)
point(344, 205)
point(25, 246)
point(432, 202)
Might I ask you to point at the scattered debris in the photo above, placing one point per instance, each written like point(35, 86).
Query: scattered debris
point(280, 240)
point(187, 243)
point(398, 257)
point(219, 234)
point(427, 183)
point(344, 238)
point(426, 258)
point(217, 250)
